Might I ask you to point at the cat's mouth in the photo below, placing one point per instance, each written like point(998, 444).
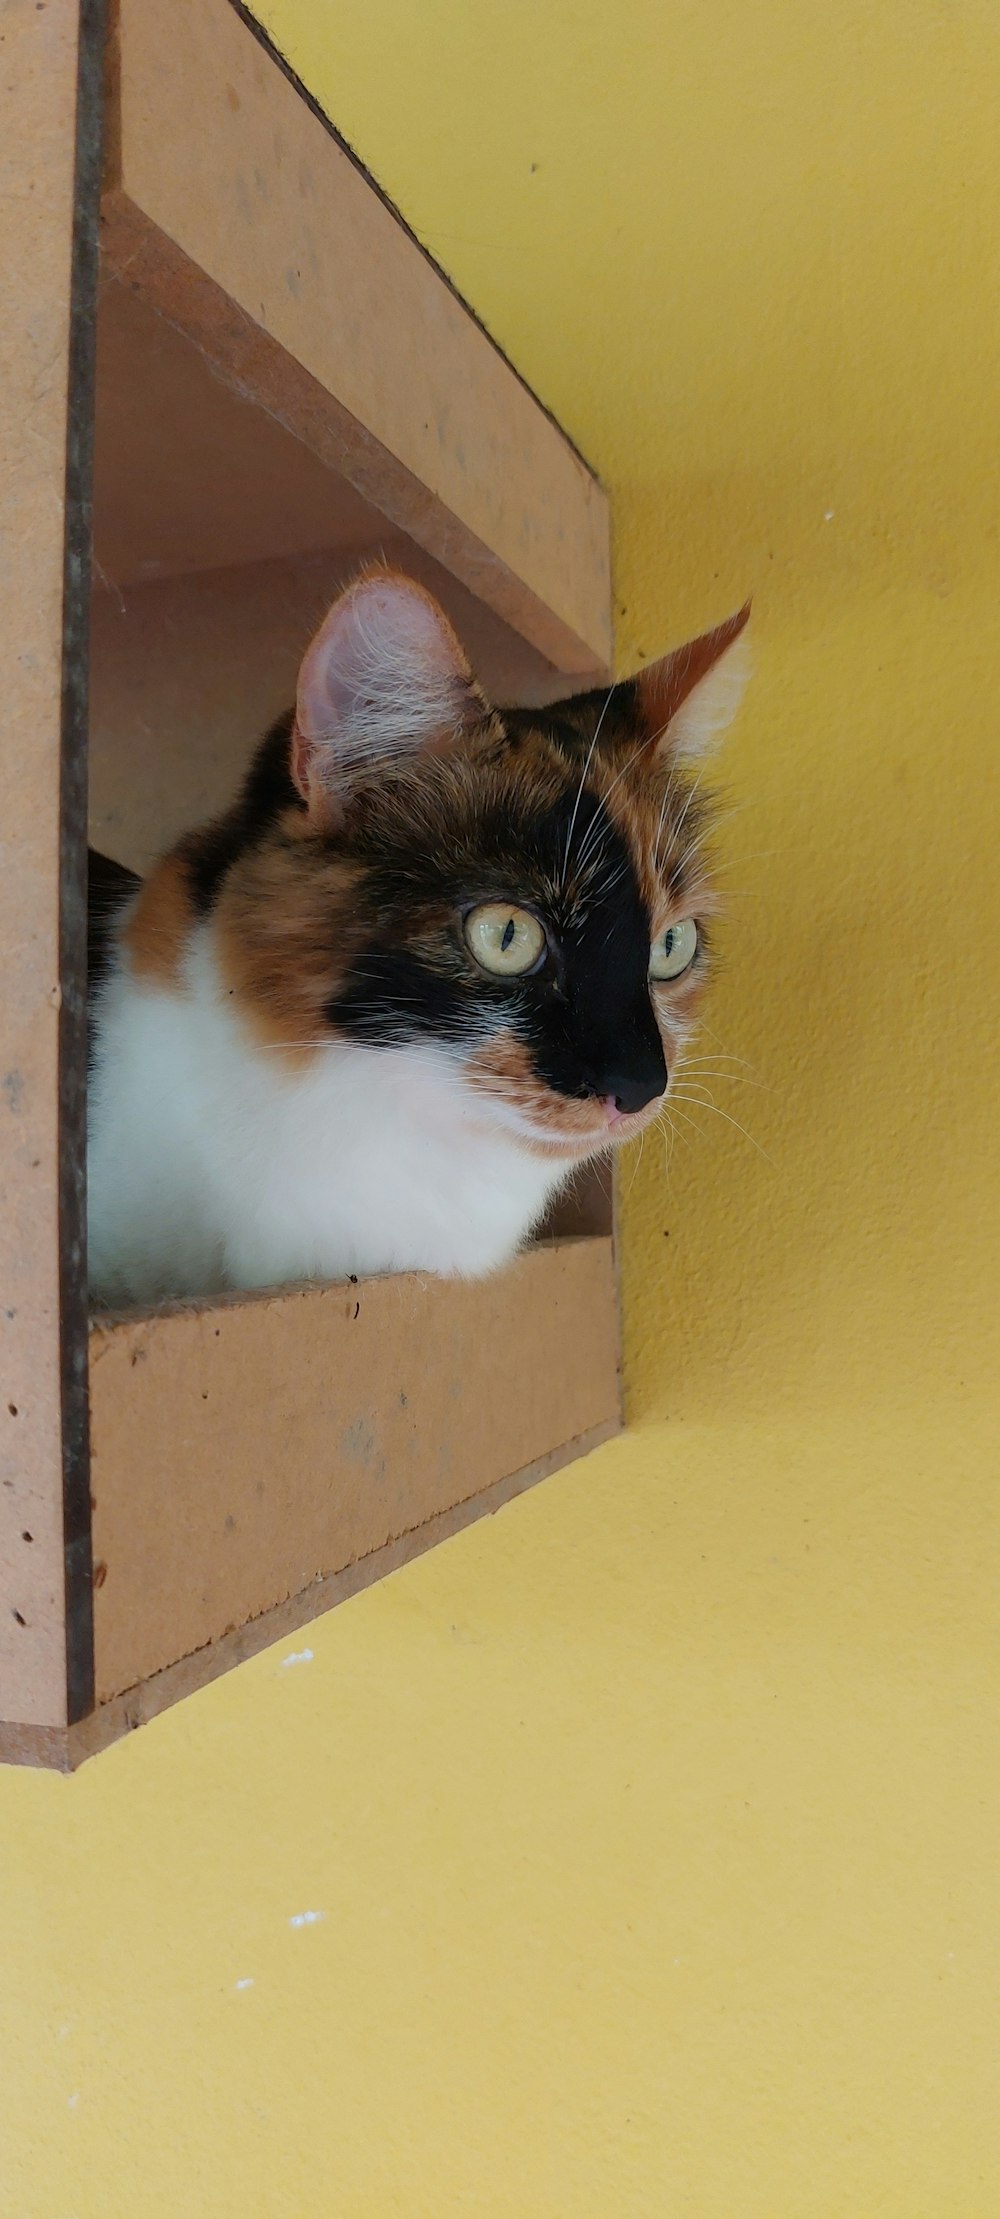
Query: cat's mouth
point(608, 1127)
point(561, 1126)
point(614, 1130)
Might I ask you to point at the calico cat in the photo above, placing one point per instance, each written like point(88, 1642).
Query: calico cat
point(434, 956)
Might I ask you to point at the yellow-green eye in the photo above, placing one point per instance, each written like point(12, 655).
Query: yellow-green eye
point(674, 951)
point(504, 939)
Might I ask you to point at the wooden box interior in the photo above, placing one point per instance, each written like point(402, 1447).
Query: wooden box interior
point(252, 1462)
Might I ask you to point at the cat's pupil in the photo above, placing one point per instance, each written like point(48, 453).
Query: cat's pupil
point(508, 934)
point(668, 941)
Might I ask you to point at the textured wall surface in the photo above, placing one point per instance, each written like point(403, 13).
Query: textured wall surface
point(653, 1827)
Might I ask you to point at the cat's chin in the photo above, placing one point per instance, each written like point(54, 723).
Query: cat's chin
point(603, 1142)
point(614, 1131)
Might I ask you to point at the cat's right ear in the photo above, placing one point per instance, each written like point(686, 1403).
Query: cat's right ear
point(384, 678)
point(687, 700)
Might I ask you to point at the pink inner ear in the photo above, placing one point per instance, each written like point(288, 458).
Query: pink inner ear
point(665, 686)
point(383, 643)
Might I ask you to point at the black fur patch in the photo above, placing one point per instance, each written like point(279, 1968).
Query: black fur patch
point(109, 886)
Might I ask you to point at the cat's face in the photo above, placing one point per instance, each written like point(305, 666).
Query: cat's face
point(523, 893)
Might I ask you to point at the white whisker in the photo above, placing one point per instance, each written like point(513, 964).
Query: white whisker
point(638, 1160)
point(691, 796)
point(699, 1102)
point(728, 1052)
point(600, 814)
point(583, 780)
point(664, 1117)
point(669, 795)
point(675, 1112)
point(736, 1078)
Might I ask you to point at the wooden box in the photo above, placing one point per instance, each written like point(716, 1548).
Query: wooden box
point(228, 372)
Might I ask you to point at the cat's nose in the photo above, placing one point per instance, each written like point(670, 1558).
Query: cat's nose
point(634, 1092)
point(627, 1069)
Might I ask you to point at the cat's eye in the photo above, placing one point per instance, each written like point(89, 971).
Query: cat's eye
point(504, 939)
point(674, 951)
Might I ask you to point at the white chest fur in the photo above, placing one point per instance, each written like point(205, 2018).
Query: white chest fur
point(214, 1162)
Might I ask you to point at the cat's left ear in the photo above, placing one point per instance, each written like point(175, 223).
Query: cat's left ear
point(688, 699)
point(384, 678)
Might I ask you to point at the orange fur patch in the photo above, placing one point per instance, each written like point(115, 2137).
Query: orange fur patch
point(283, 934)
point(156, 933)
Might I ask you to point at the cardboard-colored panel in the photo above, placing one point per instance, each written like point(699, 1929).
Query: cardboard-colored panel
point(269, 248)
point(243, 1452)
point(62, 1749)
point(38, 94)
point(190, 474)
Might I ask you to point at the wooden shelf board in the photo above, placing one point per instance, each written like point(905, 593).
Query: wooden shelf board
point(267, 246)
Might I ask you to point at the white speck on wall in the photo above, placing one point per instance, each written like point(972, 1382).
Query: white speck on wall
point(306, 1918)
point(71, 2102)
point(240, 1984)
point(828, 515)
point(296, 1656)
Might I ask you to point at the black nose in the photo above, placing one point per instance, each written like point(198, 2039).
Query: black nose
point(633, 1071)
point(626, 1061)
point(632, 1092)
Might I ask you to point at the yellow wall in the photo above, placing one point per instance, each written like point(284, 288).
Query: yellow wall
point(655, 1824)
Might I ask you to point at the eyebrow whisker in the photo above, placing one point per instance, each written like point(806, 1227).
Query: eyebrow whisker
point(583, 780)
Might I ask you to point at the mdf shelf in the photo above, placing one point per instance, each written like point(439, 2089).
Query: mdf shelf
point(231, 374)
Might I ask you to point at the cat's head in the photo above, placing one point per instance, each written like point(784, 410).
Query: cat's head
point(523, 894)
